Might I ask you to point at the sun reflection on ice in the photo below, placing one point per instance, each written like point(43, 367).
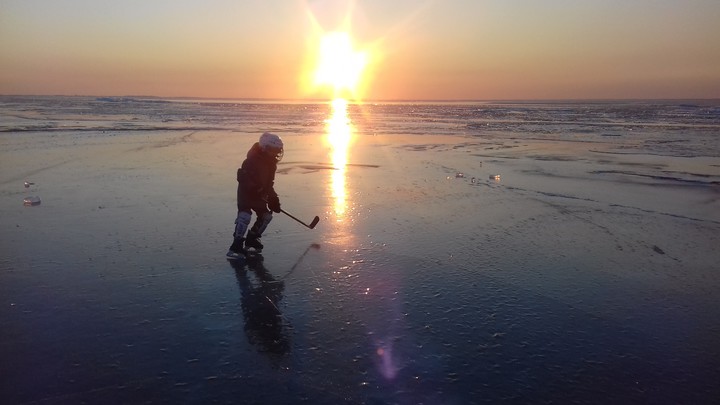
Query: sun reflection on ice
point(339, 135)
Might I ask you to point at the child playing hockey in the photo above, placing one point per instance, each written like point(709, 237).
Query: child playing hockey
point(256, 178)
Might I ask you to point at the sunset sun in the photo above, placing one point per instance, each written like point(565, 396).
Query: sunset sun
point(339, 65)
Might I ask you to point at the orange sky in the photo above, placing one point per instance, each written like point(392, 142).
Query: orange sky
point(443, 49)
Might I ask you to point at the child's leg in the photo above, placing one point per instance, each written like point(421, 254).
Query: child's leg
point(241, 225)
point(263, 220)
point(261, 223)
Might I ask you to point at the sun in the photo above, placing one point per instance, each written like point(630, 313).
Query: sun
point(335, 65)
point(339, 66)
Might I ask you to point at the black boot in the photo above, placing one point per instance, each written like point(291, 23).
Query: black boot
point(236, 249)
point(253, 241)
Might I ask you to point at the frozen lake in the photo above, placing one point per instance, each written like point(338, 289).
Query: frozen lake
point(587, 272)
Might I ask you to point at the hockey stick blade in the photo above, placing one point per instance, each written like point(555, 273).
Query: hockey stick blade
point(314, 222)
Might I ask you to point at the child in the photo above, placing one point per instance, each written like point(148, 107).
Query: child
point(255, 192)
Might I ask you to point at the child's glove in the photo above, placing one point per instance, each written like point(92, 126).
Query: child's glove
point(274, 203)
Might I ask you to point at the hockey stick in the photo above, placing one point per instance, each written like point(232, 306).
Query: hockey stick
point(312, 224)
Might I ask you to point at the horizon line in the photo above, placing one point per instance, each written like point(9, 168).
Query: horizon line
point(399, 100)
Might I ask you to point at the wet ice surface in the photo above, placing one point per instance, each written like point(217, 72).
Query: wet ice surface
point(580, 276)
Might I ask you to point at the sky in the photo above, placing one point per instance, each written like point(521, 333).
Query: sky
point(412, 50)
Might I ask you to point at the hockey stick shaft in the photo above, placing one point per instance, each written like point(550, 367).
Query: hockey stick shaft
point(312, 224)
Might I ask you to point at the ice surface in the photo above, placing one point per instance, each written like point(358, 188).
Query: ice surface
point(588, 274)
